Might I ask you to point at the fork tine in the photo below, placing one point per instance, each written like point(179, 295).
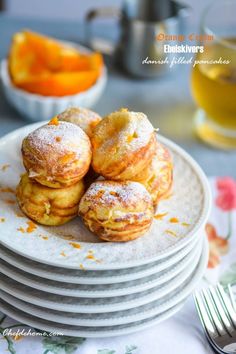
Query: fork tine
point(231, 295)
point(227, 304)
point(219, 307)
point(213, 313)
point(204, 317)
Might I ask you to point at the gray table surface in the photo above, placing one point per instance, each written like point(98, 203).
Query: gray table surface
point(167, 101)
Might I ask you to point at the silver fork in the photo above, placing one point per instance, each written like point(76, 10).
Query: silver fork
point(218, 316)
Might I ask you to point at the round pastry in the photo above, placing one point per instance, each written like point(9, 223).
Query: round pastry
point(83, 117)
point(48, 206)
point(57, 154)
point(124, 144)
point(117, 211)
point(158, 176)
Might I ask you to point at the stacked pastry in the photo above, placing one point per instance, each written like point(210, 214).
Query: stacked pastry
point(56, 156)
point(130, 172)
point(137, 173)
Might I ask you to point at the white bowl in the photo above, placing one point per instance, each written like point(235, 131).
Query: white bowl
point(37, 107)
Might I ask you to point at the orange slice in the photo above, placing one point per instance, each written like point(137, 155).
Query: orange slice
point(42, 65)
point(62, 84)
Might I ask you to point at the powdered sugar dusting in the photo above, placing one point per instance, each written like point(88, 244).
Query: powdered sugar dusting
point(132, 131)
point(78, 113)
point(108, 192)
point(83, 117)
point(62, 138)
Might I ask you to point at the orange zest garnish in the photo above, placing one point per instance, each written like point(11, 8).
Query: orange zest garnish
point(43, 237)
point(10, 201)
point(58, 139)
point(100, 193)
point(185, 224)
point(17, 337)
point(54, 121)
point(170, 232)
point(63, 254)
point(67, 158)
point(7, 190)
point(2, 219)
point(5, 167)
point(75, 245)
point(90, 256)
point(115, 194)
point(21, 229)
point(81, 266)
point(131, 137)
point(160, 216)
point(31, 226)
point(174, 220)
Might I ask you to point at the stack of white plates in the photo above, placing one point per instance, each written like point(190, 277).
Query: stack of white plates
point(64, 279)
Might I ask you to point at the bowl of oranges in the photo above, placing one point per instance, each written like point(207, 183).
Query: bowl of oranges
point(43, 76)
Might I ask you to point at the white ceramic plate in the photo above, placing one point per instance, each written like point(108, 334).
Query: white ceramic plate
point(100, 291)
point(94, 305)
point(190, 203)
point(86, 320)
point(83, 331)
point(94, 277)
point(150, 314)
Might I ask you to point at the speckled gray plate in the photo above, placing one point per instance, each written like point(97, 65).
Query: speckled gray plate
point(94, 305)
point(105, 290)
point(86, 332)
point(117, 323)
point(190, 203)
point(97, 277)
point(90, 320)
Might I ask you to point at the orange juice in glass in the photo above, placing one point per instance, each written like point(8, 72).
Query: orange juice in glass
point(213, 78)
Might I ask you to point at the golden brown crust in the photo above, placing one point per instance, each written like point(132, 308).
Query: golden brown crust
point(57, 155)
point(83, 117)
point(117, 211)
point(48, 206)
point(124, 144)
point(158, 176)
